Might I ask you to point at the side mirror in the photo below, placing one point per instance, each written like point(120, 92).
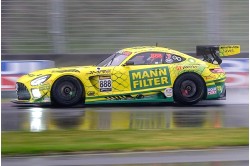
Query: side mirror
point(129, 63)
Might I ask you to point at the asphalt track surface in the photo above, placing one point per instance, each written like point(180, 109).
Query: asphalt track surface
point(222, 157)
point(206, 114)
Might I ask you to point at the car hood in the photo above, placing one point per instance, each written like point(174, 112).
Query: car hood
point(55, 71)
point(60, 70)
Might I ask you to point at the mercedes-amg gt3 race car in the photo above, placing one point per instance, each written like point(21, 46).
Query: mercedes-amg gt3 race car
point(132, 75)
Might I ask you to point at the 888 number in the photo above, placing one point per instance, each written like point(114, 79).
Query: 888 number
point(105, 84)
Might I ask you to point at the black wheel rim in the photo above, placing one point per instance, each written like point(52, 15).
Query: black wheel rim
point(67, 90)
point(188, 88)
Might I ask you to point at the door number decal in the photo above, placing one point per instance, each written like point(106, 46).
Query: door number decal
point(105, 84)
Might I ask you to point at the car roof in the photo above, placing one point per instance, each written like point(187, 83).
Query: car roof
point(145, 49)
point(139, 49)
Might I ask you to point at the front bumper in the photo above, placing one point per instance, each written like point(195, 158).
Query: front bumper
point(32, 95)
point(26, 102)
point(16, 101)
point(42, 100)
point(22, 92)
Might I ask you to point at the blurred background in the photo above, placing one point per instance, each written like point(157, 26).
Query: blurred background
point(104, 26)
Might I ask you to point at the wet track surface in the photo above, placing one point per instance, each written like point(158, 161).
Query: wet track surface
point(212, 157)
point(107, 117)
point(146, 116)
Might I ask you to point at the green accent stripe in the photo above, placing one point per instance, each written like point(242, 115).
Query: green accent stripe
point(132, 93)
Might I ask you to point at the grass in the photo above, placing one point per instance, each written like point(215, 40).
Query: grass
point(18, 143)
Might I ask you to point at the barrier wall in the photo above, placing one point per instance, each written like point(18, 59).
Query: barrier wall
point(12, 70)
point(237, 70)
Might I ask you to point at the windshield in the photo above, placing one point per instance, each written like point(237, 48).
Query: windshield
point(113, 60)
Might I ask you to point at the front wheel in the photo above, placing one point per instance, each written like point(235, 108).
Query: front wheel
point(189, 89)
point(67, 91)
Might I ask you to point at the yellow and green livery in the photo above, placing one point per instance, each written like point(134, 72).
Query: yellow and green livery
point(132, 75)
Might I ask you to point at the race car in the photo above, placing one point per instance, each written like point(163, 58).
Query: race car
point(132, 75)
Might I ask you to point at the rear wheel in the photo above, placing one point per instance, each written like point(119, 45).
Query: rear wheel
point(189, 89)
point(67, 91)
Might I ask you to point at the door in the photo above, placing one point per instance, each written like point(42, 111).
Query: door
point(148, 72)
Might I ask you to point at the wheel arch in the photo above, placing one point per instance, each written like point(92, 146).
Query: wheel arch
point(204, 83)
point(69, 75)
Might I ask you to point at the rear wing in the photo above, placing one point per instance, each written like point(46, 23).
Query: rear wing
point(212, 53)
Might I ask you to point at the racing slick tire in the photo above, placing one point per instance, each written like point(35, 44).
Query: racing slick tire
point(67, 91)
point(189, 88)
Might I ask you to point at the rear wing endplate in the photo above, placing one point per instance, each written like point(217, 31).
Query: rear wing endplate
point(212, 53)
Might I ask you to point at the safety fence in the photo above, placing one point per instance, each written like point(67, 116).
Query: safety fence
point(98, 26)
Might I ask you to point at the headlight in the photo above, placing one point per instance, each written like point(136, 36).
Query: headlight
point(39, 80)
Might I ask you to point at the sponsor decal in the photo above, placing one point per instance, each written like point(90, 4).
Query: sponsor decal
point(156, 56)
point(176, 58)
point(186, 67)
point(168, 92)
point(44, 87)
point(226, 50)
point(91, 93)
point(149, 78)
point(219, 88)
point(211, 91)
point(229, 46)
point(190, 67)
point(105, 84)
point(126, 53)
point(169, 58)
point(64, 71)
point(100, 72)
point(179, 67)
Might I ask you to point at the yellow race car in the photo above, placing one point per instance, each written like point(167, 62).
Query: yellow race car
point(132, 75)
